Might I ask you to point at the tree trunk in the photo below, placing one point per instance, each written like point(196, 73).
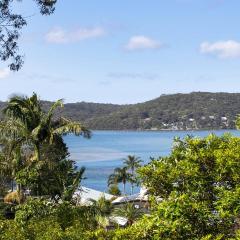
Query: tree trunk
point(124, 188)
point(132, 182)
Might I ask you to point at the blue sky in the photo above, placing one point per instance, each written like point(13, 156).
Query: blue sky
point(127, 51)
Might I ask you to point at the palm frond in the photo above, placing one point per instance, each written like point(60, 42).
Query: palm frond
point(13, 129)
point(67, 127)
point(68, 193)
point(49, 115)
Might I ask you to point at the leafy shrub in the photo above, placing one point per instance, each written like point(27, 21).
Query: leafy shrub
point(7, 211)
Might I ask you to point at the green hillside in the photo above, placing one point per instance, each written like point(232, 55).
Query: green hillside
point(177, 111)
point(197, 110)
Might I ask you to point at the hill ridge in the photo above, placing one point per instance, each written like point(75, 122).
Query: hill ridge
point(179, 111)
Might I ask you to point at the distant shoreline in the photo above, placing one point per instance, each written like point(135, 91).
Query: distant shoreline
point(162, 130)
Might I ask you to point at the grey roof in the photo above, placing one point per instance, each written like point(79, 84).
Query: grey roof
point(141, 196)
point(84, 194)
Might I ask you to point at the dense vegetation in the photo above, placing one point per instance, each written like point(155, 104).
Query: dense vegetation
point(177, 111)
point(33, 155)
point(194, 193)
point(197, 110)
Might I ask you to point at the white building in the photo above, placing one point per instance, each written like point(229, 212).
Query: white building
point(224, 118)
point(83, 196)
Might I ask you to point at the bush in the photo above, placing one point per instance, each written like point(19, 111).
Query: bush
point(199, 184)
point(7, 211)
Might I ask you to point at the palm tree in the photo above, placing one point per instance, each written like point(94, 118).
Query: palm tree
point(102, 206)
point(120, 175)
point(132, 163)
point(102, 209)
point(129, 212)
point(27, 124)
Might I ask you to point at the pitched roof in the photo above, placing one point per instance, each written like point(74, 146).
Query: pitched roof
point(84, 194)
point(141, 196)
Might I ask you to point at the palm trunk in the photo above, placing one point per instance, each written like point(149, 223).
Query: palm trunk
point(132, 182)
point(124, 188)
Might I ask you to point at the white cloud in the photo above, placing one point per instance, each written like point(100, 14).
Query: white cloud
point(4, 73)
point(222, 49)
point(60, 36)
point(142, 42)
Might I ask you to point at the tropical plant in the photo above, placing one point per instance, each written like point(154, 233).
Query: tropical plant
point(28, 128)
point(129, 212)
point(102, 206)
point(132, 162)
point(71, 182)
point(26, 120)
point(120, 175)
point(114, 190)
point(5, 174)
point(102, 209)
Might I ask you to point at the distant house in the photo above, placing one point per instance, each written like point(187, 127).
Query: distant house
point(140, 200)
point(147, 119)
point(83, 196)
point(224, 118)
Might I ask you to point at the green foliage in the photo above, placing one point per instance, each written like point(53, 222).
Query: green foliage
point(114, 190)
point(102, 207)
point(33, 147)
point(74, 178)
point(199, 186)
point(120, 175)
point(129, 212)
point(165, 112)
point(132, 163)
point(10, 28)
point(7, 211)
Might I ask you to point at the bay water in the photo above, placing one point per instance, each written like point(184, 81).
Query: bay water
point(105, 150)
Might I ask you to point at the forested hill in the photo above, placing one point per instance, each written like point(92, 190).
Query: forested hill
point(197, 110)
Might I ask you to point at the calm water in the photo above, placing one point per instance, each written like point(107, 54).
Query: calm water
point(106, 149)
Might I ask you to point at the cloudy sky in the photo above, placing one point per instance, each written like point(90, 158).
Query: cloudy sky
point(127, 51)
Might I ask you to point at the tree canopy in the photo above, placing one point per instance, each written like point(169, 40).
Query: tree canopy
point(11, 24)
point(34, 154)
point(196, 189)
